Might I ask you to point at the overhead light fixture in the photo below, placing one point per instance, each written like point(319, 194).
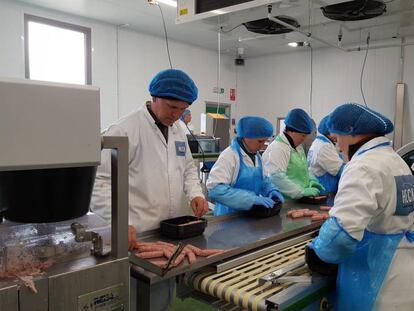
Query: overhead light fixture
point(293, 44)
point(168, 2)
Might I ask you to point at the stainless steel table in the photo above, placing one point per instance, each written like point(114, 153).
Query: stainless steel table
point(239, 233)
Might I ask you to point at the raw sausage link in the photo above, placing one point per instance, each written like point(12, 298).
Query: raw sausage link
point(153, 254)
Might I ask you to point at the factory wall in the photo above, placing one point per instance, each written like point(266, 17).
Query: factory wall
point(123, 61)
point(281, 82)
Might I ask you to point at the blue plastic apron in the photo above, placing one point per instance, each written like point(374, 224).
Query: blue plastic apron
point(248, 178)
point(330, 182)
point(361, 276)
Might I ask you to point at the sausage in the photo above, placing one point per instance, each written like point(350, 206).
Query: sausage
point(194, 249)
point(317, 217)
point(191, 223)
point(153, 254)
point(310, 213)
point(168, 253)
point(191, 257)
point(297, 214)
point(324, 208)
point(150, 248)
point(209, 252)
point(179, 259)
point(165, 243)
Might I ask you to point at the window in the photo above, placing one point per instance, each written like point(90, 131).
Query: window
point(280, 125)
point(57, 51)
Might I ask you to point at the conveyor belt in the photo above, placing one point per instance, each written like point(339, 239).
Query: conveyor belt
point(240, 286)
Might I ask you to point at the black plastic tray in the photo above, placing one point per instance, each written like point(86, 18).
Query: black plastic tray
point(176, 228)
point(315, 264)
point(263, 212)
point(320, 199)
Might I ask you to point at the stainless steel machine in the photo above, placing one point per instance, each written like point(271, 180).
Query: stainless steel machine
point(407, 153)
point(263, 267)
point(54, 255)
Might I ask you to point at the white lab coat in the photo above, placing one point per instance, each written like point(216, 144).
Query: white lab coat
point(323, 157)
point(158, 177)
point(226, 168)
point(186, 128)
point(366, 199)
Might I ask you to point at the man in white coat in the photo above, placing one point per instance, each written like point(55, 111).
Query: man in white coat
point(370, 229)
point(161, 167)
point(324, 160)
point(185, 120)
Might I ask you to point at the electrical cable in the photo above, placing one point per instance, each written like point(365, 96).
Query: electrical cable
point(311, 59)
point(203, 168)
point(311, 81)
point(165, 34)
point(230, 30)
point(362, 71)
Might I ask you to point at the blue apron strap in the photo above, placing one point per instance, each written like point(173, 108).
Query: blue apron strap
point(323, 138)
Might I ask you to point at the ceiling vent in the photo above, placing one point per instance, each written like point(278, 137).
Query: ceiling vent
point(268, 27)
point(354, 10)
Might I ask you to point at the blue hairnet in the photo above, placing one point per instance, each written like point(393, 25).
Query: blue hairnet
point(323, 126)
point(184, 114)
point(175, 84)
point(354, 119)
point(254, 127)
point(298, 120)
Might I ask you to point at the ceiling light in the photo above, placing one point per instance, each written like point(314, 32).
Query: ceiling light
point(293, 44)
point(168, 2)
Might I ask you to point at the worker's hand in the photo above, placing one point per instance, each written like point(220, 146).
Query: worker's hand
point(315, 184)
point(310, 192)
point(276, 196)
point(199, 206)
point(132, 237)
point(266, 202)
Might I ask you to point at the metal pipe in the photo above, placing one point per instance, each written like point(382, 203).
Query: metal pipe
point(307, 34)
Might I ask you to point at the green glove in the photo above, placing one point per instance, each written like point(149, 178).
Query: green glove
point(310, 192)
point(315, 184)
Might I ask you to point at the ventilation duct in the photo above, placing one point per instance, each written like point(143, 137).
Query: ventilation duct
point(268, 27)
point(354, 10)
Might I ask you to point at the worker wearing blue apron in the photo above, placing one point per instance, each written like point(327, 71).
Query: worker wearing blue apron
point(370, 229)
point(236, 181)
point(324, 160)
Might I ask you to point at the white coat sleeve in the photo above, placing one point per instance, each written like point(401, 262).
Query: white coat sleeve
point(330, 160)
point(223, 170)
point(192, 183)
point(356, 202)
point(101, 196)
point(275, 164)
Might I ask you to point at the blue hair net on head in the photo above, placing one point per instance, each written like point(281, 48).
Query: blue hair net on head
point(298, 120)
point(175, 84)
point(254, 127)
point(184, 114)
point(354, 119)
point(323, 126)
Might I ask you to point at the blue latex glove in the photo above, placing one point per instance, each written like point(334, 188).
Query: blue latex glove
point(310, 192)
point(316, 184)
point(276, 196)
point(266, 202)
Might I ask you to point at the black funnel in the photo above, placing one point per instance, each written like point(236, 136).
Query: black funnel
point(46, 195)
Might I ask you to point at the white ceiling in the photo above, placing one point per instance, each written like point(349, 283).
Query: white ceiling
point(398, 21)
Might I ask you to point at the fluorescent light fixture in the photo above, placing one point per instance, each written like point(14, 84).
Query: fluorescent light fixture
point(293, 44)
point(168, 2)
